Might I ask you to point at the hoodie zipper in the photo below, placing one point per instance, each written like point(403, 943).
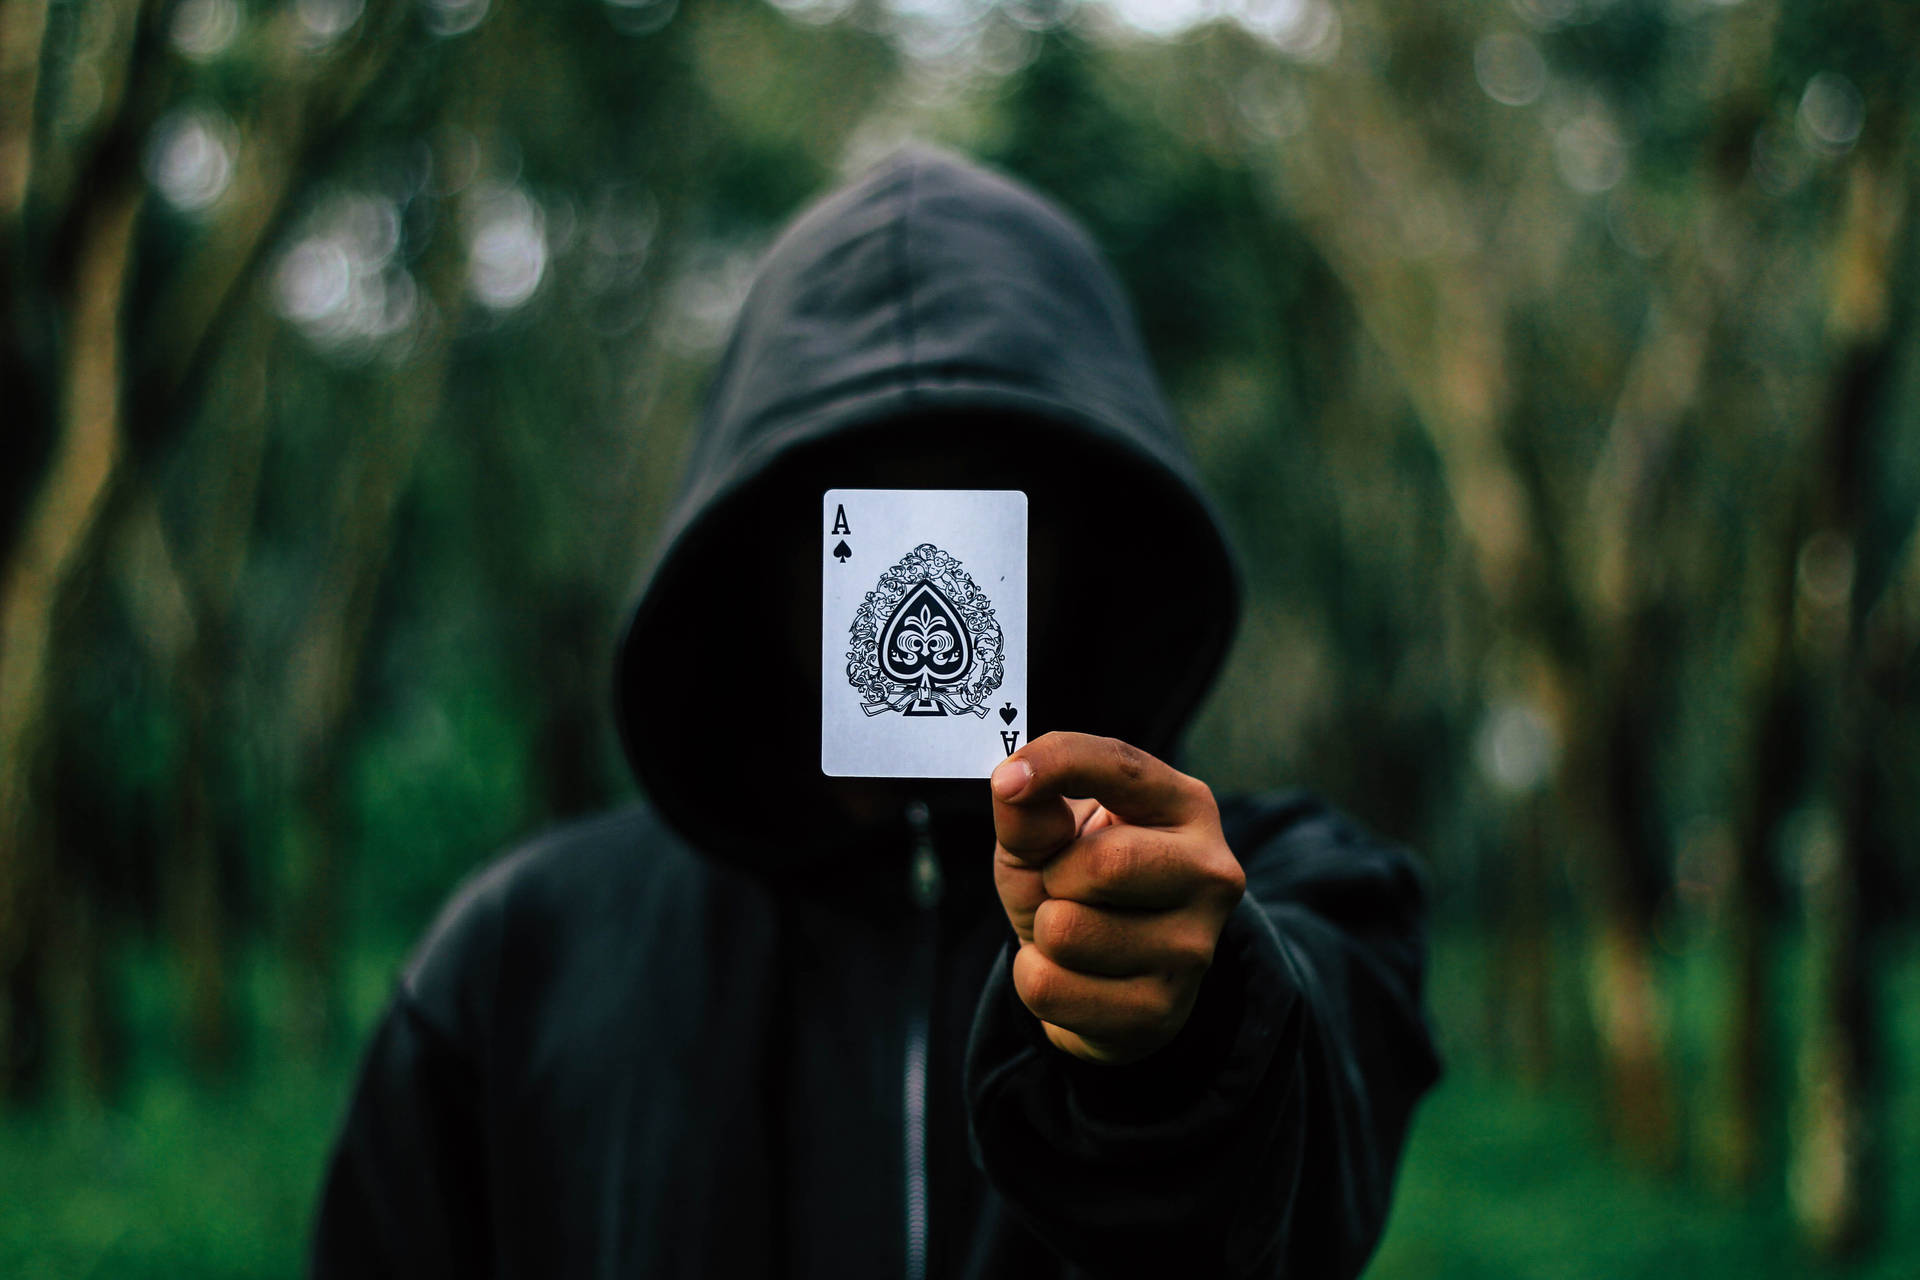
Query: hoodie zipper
point(925, 885)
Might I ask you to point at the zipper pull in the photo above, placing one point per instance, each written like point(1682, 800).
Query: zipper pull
point(925, 879)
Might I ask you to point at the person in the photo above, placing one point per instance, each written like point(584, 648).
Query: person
point(1082, 1019)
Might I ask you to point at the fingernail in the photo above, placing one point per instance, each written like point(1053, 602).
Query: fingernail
point(1011, 778)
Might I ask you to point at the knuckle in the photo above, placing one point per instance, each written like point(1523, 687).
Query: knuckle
point(1220, 875)
point(1156, 1002)
point(1111, 861)
point(1059, 926)
point(1128, 760)
point(1195, 952)
point(1198, 794)
point(1038, 985)
point(1230, 877)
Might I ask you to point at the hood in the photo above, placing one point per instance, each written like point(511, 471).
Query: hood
point(930, 325)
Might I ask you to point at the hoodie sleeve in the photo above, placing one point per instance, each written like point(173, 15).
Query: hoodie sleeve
point(1264, 1139)
point(405, 1191)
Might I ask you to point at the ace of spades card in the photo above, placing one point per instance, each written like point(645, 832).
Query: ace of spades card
point(923, 631)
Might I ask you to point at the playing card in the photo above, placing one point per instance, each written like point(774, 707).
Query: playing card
point(923, 631)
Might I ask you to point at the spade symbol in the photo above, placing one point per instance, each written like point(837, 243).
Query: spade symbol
point(1007, 713)
point(842, 551)
point(924, 640)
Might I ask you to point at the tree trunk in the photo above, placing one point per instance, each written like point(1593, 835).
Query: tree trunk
point(1775, 763)
point(1835, 1178)
point(310, 841)
point(325, 665)
point(1523, 969)
point(89, 1038)
point(1607, 803)
point(1839, 1157)
point(50, 553)
point(194, 907)
point(183, 624)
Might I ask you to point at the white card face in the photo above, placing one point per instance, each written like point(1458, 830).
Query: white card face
point(923, 631)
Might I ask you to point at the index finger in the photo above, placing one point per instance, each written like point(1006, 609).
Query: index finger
point(1137, 787)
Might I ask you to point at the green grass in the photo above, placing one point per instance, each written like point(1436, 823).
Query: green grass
point(182, 1179)
point(182, 1176)
point(1502, 1183)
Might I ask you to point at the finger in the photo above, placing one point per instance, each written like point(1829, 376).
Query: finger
point(1119, 944)
point(1021, 890)
point(1110, 1010)
point(1018, 880)
point(1136, 786)
point(1126, 866)
point(1036, 828)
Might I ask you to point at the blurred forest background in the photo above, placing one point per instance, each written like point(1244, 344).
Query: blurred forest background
point(1554, 361)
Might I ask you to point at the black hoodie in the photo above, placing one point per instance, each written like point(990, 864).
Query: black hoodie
point(740, 1030)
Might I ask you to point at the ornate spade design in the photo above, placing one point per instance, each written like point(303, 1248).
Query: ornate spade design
point(924, 641)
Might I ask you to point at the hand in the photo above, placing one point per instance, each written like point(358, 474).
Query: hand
point(1118, 897)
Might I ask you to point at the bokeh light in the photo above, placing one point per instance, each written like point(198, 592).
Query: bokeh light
point(203, 29)
point(640, 17)
point(341, 283)
point(1590, 154)
point(506, 246)
point(324, 21)
point(1516, 748)
point(1831, 113)
point(1509, 68)
point(454, 17)
point(1306, 30)
point(190, 157)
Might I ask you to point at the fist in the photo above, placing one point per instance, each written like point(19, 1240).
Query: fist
point(1114, 874)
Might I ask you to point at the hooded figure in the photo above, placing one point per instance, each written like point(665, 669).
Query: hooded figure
point(771, 1023)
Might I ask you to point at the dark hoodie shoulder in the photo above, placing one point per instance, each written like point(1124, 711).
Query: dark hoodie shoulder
point(566, 939)
point(555, 890)
point(408, 1189)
